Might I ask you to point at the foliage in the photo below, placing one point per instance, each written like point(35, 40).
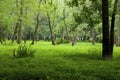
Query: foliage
point(65, 15)
point(23, 51)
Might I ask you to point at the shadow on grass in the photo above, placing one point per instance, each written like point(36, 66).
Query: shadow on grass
point(103, 74)
point(91, 55)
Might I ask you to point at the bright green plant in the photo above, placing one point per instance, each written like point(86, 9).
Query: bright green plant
point(23, 51)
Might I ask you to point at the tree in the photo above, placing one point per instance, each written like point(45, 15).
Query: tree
point(51, 16)
point(118, 33)
point(37, 24)
point(108, 33)
point(88, 12)
point(112, 27)
point(20, 23)
point(6, 17)
point(105, 28)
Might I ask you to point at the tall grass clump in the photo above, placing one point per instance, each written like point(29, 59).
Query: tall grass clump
point(23, 51)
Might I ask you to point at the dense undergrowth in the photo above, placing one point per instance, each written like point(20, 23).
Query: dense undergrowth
point(60, 62)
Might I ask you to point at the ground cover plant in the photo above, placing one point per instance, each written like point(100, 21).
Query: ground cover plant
point(59, 62)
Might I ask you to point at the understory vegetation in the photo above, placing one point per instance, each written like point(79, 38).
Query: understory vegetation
point(59, 62)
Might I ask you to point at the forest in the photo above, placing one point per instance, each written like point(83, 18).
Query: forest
point(59, 39)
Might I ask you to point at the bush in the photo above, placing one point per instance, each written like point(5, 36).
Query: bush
point(23, 51)
point(60, 41)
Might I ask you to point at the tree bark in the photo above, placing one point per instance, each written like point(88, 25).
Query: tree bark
point(25, 34)
point(66, 35)
point(51, 31)
point(20, 22)
point(1, 31)
point(93, 36)
point(36, 28)
point(62, 30)
point(1, 40)
point(118, 34)
point(37, 25)
point(105, 28)
point(16, 26)
point(62, 35)
point(112, 27)
point(73, 41)
point(15, 32)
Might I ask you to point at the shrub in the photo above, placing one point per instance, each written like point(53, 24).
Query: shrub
point(23, 51)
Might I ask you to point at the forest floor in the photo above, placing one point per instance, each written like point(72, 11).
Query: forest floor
point(59, 62)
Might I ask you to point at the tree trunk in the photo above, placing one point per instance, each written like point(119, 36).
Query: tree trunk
point(62, 35)
point(105, 28)
point(62, 31)
point(112, 27)
point(25, 34)
point(51, 31)
point(15, 32)
point(1, 39)
point(37, 25)
point(1, 31)
point(19, 32)
point(65, 29)
point(73, 41)
point(20, 22)
point(93, 36)
point(118, 34)
point(36, 28)
point(16, 26)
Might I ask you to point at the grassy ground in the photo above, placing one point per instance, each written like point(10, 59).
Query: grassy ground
point(60, 62)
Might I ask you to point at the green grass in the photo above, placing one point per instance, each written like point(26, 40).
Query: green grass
point(59, 62)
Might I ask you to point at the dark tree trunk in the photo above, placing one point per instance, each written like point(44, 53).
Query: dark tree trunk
point(15, 32)
point(51, 25)
point(37, 25)
point(73, 38)
point(1, 39)
point(16, 26)
point(1, 31)
point(25, 34)
point(118, 34)
point(62, 30)
point(20, 23)
point(66, 35)
point(73, 41)
point(112, 27)
point(36, 28)
point(93, 36)
point(19, 32)
point(24, 37)
point(62, 35)
point(51, 31)
point(105, 28)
